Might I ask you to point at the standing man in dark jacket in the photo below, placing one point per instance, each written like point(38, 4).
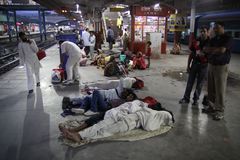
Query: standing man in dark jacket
point(110, 37)
point(197, 67)
point(219, 57)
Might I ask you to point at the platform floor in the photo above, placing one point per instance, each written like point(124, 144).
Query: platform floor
point(29, 123)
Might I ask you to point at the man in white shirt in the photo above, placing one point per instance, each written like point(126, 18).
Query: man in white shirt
point(92, 40)
point(74, 54)
point(27, 50)
point(85, 37)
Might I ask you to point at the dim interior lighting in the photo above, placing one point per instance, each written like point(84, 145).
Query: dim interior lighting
point(157, 6)
point(77, 6)
point(64, 11)
point(176, 11)
point(56, 24)
point(74, 19)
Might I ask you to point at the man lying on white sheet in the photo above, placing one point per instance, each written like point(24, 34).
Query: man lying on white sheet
point(126, 117)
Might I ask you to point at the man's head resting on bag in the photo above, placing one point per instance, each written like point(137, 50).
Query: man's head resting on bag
point(129, 95)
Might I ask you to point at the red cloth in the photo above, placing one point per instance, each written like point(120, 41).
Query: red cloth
point(41, 54)
point(138, 84)
point(139, 63)
point(149, 52)
point(150, 101)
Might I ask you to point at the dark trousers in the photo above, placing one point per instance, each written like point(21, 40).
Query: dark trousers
point(94, 102)
point(148, 59)
point(98, 103)
point(87, 49)
point(95, 119)
point(197, 71)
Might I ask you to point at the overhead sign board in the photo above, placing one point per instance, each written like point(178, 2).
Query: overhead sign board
point(176, 22)
point(116, 9)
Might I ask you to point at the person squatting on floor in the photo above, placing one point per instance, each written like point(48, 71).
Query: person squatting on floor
point(139, 61)
point(27, 50)
point(74, 54)
point(196, 67)
point(126, 117)
point(219, 55)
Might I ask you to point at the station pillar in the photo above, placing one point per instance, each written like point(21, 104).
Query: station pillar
point(15, 23)
point(192, 21)
point(9, 27)
point(44, 25)
point(40, 24)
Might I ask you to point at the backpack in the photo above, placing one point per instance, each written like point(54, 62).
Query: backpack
point(138, 84)
point(57, 75)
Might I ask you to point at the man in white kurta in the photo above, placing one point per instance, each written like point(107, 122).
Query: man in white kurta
point(27, 50)
point(126, 117)
point(74, 54)
point(92, 40)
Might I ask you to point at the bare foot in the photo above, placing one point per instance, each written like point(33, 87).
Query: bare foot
point(60, 126)
point(63, 130)
point(74, 136)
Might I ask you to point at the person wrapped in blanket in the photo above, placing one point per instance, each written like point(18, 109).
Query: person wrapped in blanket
point(126, 117)
point(139, 62)
point(101, 100)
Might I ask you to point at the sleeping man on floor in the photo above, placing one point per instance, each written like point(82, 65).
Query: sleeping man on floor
point(101, 99)
point(126, 117)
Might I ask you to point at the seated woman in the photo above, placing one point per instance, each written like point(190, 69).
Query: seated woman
point(98, 59)
point(111, 68)
point(139, 62)
point(126, 117)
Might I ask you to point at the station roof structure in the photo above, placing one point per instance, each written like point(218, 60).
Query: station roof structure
point(68, 8)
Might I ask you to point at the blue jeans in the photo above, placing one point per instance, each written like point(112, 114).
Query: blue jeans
point(198, 71)
point(83, 103)
point(94, 102)
point(98, 103)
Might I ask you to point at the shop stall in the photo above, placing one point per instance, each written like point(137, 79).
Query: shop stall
point(145, 21)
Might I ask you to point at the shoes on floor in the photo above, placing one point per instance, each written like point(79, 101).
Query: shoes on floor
point(90, 113)
point(184, 101)
point(195, 103)
point(68, 82)
point(30, 91)
point(218, 116)
point(208, 110)
point(65, 102)
point(205, 101)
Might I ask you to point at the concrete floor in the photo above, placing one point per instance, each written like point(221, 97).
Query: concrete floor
point(29, 123)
